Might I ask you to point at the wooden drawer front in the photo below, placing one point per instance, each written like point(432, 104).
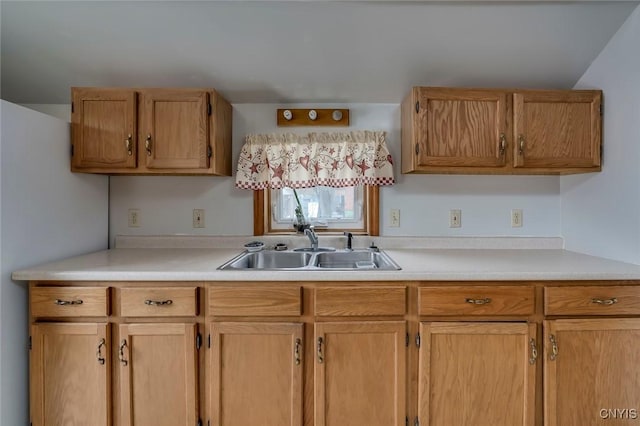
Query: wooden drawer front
point(69, 301)
point(476, 300)
point(158, 302)
point(360, 301)
point(592, 300)
point(255, 301)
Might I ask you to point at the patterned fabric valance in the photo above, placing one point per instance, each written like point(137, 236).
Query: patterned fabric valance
point(316, 159)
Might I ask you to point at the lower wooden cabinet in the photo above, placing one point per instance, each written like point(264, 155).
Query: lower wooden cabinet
point(70, 374)
point(255, 373)
point(157, 368)
point(360, 373)
point(477, 374)
point(591, 372)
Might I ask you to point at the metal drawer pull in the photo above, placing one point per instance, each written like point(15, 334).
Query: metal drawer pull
point(127, 144)
point(123, 345)
point(68, 302)
point(534, 351)
point(611, 301)
point(554, 348)
point(99, 353)
point(484, 301)
point(296, 351)
point(320, 354)
point(521, 149)
point(158, 302)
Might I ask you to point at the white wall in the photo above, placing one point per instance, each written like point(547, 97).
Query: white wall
point(601, 211)
point(166, 203)
point(48, 213)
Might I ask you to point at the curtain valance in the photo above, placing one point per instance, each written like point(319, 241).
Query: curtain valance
point(335, 159)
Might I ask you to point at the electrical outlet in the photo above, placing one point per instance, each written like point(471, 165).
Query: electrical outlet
point(516, 218)
point(455, 218)
point(394, 218)
point(198, 218)
point(134, 218)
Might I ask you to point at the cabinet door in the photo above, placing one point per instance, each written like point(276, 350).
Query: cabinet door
point(474, 374)
point(70, 380)
point(461, 127)
point(103, 124)
point(557, 129)
point(255, 374)
point(360, 374)
point(158, 374)
point(591, 374)
point(174, 129)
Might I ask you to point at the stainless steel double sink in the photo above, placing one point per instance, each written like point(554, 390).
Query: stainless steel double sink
point(360, 259)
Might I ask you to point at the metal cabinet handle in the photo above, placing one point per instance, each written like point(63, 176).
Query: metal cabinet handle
point(296, 351)
point(320, 353)
point(101, 343)
point(128, 145)
point(158, 302)
point(123, 360)
point(533, 351)
point(484, 301)
point(611, 301)
point(147, 144)
point(554, 348)
point(68, 302)
point(521, 142)
point(503, 144)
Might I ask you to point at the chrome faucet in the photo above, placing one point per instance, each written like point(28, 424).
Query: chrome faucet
point(349, 236)
point(313, 238)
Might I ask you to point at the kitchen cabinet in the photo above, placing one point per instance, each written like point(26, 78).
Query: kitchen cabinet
point(158, 374)
point(150, 131)
point(360, 373)
point(599, 356)
point(501, 131)
point(70, 374)
point(256, 373)
point(313, 353)
point(477, 373)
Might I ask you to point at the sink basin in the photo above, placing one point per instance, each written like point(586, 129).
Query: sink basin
point(269, 260)
point(311, 261)
point(357, 259)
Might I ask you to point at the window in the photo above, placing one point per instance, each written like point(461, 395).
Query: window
point(353, 209)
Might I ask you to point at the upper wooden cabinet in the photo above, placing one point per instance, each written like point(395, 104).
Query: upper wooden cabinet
point(150, 131)
point(497, 131)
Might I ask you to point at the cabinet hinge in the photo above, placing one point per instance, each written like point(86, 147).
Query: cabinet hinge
point(209, 109)
point(209, 151)
point(406, 340)
point(406, 421)
point(417, 107)
point(199, 422)
point(601, 109)
point(30, 343)
point(416, 422)
point(72, 150)
point(418, 339)
point(198, 341)
point(209, 341)
point(208, 422)
point(72, 108)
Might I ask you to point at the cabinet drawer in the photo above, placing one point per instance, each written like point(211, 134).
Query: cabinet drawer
point(255, 301)
point(592, 300)
point(69, 301)
point(476, 300)
point(158, 301)
point(360, 301)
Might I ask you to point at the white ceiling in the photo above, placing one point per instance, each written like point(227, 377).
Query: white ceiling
point(312, 51)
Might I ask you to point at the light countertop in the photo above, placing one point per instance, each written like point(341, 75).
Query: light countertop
point(448, 264)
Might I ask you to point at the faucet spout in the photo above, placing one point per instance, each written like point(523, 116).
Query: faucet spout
point(313, 238)
point(349, 236)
